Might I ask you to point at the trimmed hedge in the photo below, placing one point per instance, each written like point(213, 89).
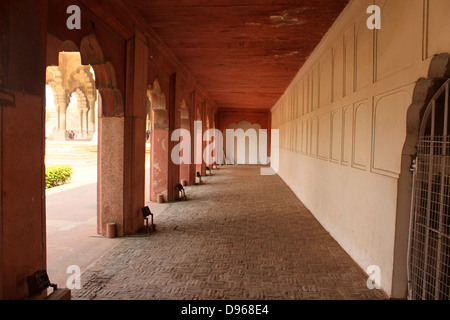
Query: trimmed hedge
point(57, 175)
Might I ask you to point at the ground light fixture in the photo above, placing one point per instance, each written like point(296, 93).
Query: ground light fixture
point(147, 213)
point(38, 282)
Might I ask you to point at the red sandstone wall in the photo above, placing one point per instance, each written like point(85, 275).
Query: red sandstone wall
point(225, 117)
point(22, 232)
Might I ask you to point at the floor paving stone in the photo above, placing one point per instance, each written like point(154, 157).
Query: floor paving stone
point(239, 236)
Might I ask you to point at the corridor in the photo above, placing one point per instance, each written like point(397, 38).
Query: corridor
point(239, 236)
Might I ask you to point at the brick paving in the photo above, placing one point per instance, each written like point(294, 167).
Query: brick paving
point(240, 236)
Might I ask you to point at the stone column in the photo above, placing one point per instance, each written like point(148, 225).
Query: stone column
point(85, 123)
point(62, 105)
point(82, 125)
point(91, 119)
point(135, 125)
point(22, 143)
point(174, 122)
point(110, 183)
point(205, 128)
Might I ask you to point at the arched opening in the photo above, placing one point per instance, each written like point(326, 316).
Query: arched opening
point(148, 125)
point(100, 150)
point(74, 116)
point(74, 90)
point(198, 156)
point(148, 133)
point(159, 143)
point(244, 147)
point(184, 124)
point(429, 249)
point(424, 91)
point(71, 130)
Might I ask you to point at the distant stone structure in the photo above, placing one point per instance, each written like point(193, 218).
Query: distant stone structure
point(75, 97)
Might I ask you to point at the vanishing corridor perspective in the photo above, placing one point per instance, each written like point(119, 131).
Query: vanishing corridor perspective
point(239, 236)
point(354, 98)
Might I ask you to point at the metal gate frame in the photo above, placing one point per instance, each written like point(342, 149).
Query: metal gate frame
point(429, 235)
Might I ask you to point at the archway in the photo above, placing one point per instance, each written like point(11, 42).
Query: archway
point(424, 91)
point(184, 124)
point(71, 208)
point(94, 81)
point(199, 144)
point(244, 147)
point(159, 135)
point(148, 132)
point(429, 248)
point(71, 77)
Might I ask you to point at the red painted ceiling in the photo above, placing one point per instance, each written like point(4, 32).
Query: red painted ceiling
point(244, 53)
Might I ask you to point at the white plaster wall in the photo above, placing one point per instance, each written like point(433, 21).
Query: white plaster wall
point(244, 154)
point(342, 122)
point(356, 208)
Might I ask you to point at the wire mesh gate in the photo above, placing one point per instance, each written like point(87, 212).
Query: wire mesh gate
point(429, 246)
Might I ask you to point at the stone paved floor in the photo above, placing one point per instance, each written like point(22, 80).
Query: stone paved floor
point(239, 236)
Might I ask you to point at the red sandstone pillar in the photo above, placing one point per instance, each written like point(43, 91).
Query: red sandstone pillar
point(173, 169)
point(135, 133)
point(110, 162)
point(110, 183)
point(22, 130)
point(164, 173)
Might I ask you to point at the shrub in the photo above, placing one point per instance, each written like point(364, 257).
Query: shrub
point(57, 175)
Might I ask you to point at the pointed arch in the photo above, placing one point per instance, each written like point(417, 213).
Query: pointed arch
point(424, 90)
point(184, 115)
point(184, 111)
point(68, 46)
point(159, 112)
point(91, 51)
point(83, 79)
point(94, 79)
point(105, 76)
point(156, 96)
